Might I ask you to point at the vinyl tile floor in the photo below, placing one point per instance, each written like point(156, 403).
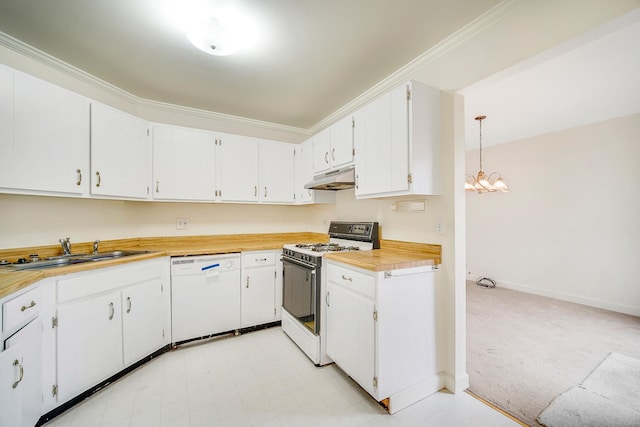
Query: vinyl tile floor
point(257, 379)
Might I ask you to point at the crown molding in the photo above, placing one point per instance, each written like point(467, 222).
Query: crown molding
point(54, 63)
point(465, 33)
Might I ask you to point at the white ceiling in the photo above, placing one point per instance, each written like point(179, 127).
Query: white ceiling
point(313, 56)
point(592, 78)
point(318, 59)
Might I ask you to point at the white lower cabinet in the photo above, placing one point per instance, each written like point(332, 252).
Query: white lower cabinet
point(351, 328)
point(108, 319)
point(89, 347)
point(258, 293)
point(143, 315)
point(381, 331)
point(20, 371)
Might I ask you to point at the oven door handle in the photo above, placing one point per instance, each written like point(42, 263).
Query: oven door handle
point(300, 263)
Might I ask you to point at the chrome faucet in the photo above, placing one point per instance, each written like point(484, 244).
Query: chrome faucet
point(66, 246)
point(95, 246)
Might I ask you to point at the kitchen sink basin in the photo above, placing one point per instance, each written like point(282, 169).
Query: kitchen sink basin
point(113, 254)
point(47, 263)
point(66, 260)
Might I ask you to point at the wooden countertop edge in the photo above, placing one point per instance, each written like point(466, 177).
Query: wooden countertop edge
point(392, 254)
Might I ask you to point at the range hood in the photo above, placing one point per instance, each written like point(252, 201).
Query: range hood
point(339, 179)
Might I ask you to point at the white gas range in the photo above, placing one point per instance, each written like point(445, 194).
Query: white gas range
point(304, 284)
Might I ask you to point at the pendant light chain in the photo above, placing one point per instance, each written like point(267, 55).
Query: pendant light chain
point(480, 118)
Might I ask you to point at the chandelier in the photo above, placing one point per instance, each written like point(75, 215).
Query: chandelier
point(483, 183)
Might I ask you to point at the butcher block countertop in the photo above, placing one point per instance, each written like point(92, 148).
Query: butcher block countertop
point(391, 255)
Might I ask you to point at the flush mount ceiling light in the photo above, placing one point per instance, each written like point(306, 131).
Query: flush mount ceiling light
point(483, 183)
point(221, 32)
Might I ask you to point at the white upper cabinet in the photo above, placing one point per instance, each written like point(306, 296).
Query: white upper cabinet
point(183, 164)
point(119, 154)
point(304, 174)
point(6, 127)
point(341, 153)
point(397, 139)
point(237, 168)
point(277, 172)
point(333, 146)
point(304, 171)
point(50, 146)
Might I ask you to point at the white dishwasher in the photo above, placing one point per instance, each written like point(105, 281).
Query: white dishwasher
point(205, 295)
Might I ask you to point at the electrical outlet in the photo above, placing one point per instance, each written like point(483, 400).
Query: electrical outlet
point(440, 225)
point(182, 223)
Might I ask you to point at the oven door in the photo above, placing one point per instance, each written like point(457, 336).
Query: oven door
point(300, 287)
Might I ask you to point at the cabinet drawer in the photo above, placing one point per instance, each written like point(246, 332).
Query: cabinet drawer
point(354, 280)
point(21, 308)
point(258, 259)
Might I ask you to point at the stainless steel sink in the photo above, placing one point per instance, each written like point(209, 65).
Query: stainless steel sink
point(47, 263)
point(65, 260)
point(113, 254)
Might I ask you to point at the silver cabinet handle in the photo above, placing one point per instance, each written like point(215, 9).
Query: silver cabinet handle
point(247, 282)
point(128, 305)
point(27, 307)
point(326, 299)
point(99, 179)
point(112, 311)
point(19, 365)
point(347, 278)
point(157, 186)
point(326, 157)
point(356, 182)
point(265, 191)
point(333, 154)
point(261, 260)
point(255, 191)
point(79, 178)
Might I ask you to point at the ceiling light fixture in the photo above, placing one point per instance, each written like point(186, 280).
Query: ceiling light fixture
point(483, 183)
point(222, 32)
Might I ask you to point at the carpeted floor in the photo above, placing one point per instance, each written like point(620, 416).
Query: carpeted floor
point(523, 350)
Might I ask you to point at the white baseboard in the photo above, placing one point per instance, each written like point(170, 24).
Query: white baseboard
point(592, 302)
point(455, 384)
point(411, 395)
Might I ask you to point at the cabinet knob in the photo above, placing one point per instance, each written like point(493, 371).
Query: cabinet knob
point(128, 305)
point(79, 177)
point(99, 179)
point(112, 311)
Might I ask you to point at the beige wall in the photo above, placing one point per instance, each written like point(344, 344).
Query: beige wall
point(34, 220)
point(569, 228)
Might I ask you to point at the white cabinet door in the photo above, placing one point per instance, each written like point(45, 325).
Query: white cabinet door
point(21, 369)
point(341, 132)
point(304, 171)
point(10, 397)
point(183, 164)
point(382, 162)
point(321, 151)
point(397, 142)
point(238, 168)
point(277, 172)
point(142, 320)
point(351, 334)
point(258, 296)
point(119, 154)
point(6, 127)
point(51, 137)
point(89, 336)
